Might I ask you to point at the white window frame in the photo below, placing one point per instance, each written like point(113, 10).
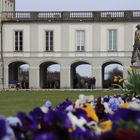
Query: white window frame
point(49, 40)
point(112, 40)
point(80, 43)
point(19, 46)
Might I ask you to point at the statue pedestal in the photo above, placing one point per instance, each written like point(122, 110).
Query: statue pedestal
point(136, 67)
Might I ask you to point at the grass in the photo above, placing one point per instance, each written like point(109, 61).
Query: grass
point(14, 101)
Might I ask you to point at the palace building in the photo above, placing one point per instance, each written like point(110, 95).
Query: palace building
point(66, 38)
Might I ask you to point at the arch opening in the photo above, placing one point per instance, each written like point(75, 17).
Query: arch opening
point(109, 71)
point(81, 73)
point(19, 75)
point(50, 75)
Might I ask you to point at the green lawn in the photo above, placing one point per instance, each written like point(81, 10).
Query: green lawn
point(11, 102)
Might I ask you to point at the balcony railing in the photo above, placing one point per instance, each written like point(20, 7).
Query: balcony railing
point(67, 16)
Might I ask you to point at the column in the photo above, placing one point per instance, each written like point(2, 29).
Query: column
point(0, 74)
point(65, 77)
point(34, 77)
point(97, 73)
point(6, 77)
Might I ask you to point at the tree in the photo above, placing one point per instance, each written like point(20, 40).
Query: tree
point(116, 72)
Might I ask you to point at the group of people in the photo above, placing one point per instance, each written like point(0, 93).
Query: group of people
point(22, 85)
point(54, 84)
point(88, 83)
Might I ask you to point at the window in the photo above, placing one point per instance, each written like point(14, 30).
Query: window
point(112, 40)
point(49, 40)
point(80, 40)
point(18, 41)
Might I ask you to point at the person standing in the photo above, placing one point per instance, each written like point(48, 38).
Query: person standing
point(94, 82)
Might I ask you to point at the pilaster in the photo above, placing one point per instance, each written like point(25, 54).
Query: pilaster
point(34, 77)
point(65, 77)
point(97, 73)
point(6, 77)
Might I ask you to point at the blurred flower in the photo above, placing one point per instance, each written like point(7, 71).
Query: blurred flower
point(106, 126)
point(13, 121)
point(125, 105)
point(114, 104)
point(3, 127)
point(6, 133)
point(69, 108)
point(64, 105)
point(129, 70)
point(46, 106)
point(90, 112)
point(134, 105)
point(115, 79)
point(104, 118)
point(46, 136)
point(121, 80)
point(83, 99)
point(77, 122)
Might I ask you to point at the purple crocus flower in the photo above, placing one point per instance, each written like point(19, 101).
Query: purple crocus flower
point(126, 115)
point(6, 133)
point(58, 118)
point(79, 134)
point(58, 123)
point(106, 98)
point(3, 128)
point(81, 113)
point(32, 121)
point(64, 105)
point(45, 136)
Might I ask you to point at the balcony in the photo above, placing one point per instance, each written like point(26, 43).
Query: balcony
point(72, 16)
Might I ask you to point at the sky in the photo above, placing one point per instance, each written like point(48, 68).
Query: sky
point(76, 5)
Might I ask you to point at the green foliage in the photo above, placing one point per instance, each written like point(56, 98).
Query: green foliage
point(132, 84)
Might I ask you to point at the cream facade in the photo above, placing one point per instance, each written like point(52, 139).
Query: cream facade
point(5, 5)
point(78, 38)
point(96, 48)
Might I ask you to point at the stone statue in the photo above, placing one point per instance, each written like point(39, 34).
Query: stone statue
point(136, 47)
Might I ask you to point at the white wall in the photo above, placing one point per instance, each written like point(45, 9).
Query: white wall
point(7, 5)
point(56, 28)
point(88, 36)
point(96, 36)
point(96, 39)
point(104, 35)
point(8, 32)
